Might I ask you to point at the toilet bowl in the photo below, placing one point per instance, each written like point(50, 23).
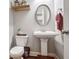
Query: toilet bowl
point(17, 51)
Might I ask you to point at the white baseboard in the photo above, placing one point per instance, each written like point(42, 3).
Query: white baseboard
point(38, 53)
point(34, 53)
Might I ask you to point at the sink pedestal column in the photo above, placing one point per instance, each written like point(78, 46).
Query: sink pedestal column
point(44, 47)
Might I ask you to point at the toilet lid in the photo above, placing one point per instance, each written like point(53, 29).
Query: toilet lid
point(17, 50)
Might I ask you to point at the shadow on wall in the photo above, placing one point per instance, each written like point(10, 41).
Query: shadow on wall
point(13, 42)
point(59, 46)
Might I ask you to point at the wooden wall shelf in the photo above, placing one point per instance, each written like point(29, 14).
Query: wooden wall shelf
point(21, 8)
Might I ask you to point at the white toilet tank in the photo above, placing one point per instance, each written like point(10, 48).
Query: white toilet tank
point(21, 40)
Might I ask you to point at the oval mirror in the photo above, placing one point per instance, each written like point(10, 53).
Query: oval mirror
point(43, 15)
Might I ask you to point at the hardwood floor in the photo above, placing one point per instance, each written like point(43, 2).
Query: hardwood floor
point(45, 57)
point(39, 57)
point(31, 57)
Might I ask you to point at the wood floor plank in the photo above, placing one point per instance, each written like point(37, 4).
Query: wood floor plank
point(38, 57)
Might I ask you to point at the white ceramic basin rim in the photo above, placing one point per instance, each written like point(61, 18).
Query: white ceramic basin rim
point(45, 34)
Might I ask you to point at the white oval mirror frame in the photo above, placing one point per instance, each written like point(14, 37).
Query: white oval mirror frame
point(43, 15)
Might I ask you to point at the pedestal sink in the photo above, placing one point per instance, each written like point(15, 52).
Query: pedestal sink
point(44, 37)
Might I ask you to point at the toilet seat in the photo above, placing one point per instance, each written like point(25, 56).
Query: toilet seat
point(16, 51)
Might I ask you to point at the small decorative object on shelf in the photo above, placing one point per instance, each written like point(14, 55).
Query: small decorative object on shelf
point(16, 3)
point(23, 2)
point(20, 5)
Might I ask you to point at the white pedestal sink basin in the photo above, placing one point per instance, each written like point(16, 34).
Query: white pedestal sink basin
point(44, 36)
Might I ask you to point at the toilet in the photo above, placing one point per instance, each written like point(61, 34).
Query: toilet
point(17, 51)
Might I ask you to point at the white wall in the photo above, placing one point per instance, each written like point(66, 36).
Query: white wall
point(66, 26)
point(59, 46)
point(26, 21)
point(57, 5)
point(11, 32)
point(62, 47)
